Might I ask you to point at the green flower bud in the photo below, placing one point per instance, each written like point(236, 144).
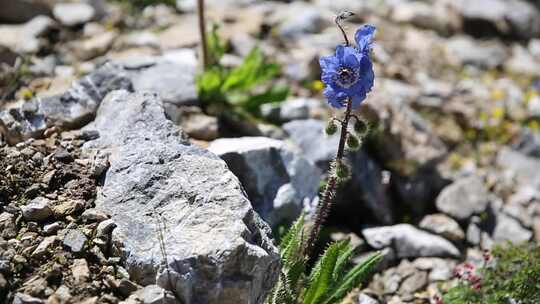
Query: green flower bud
point(342, 170)
point(360, 127)
point(353, 142)
point(331, 127)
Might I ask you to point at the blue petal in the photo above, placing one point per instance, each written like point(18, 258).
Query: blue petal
point(364, 36)
point(335, 98)
point(328, 77)
point(366, 73)
point(357, 100)
point(329, 63)
point(351, 61)
point(344, 52)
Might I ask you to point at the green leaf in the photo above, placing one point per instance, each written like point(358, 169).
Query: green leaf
point(353, 278)
point(252, 71)
point(282, 292)
point(209, 85)
point(216, 47)
point(294, 233)
point(273, 94)
point(322, 274)
point(343, 260)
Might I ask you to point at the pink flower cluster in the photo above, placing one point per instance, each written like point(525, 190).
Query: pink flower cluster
point(467, 272)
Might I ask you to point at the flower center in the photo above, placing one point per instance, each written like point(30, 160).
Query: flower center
point(346, 77)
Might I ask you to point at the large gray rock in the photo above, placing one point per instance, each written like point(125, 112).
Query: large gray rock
point(73, 109)
point(511, 17)
point(464, 198)
point(278, 181)
point(218, 249)
point(171, 75)
point(408, 241)
point(366, 183)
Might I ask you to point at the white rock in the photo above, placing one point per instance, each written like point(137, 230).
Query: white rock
point(409, 241)
point(72, 14)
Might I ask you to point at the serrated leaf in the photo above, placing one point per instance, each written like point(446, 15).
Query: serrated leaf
point(294, 233)
point(343, 260)
point(321, 277)
point(353, 278)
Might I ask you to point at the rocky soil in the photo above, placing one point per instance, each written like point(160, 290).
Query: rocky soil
point(118, 186)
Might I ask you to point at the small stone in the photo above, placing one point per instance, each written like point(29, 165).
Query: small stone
point(80, 271)
point(94, 46)
point(463, 198)
point(126, 287)
point(21, 298)
point(94, 215)
point(153, 294)
point(365, 299)
point(94, 300)
point(67, 208)
point(52, 228)
point(63, 156)
point(509, 229)
point(72, 14)
point(44, 246)
point(536, 228)
point(61, 295)
point(3, 282)
point(37, 209)
point(413, 283)
point(75, 240)
point(105, 228)
point(443, 225)
point(440, 269)
point(474, 232)
point(201, 126)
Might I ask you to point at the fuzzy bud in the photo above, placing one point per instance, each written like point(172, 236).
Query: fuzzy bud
point(353, 142)
point(360, 127)
point(342, 170)
point(331, 127)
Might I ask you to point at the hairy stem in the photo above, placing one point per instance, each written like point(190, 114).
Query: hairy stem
point(327, 198)
point(202, 31)
point(339, 18)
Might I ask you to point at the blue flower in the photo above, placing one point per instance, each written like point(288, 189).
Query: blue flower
point(349, 73)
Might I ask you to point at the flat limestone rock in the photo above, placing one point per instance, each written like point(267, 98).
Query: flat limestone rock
point(218, 248)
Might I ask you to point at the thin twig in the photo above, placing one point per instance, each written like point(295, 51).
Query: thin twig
point(202, 31)
point(324, 206)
